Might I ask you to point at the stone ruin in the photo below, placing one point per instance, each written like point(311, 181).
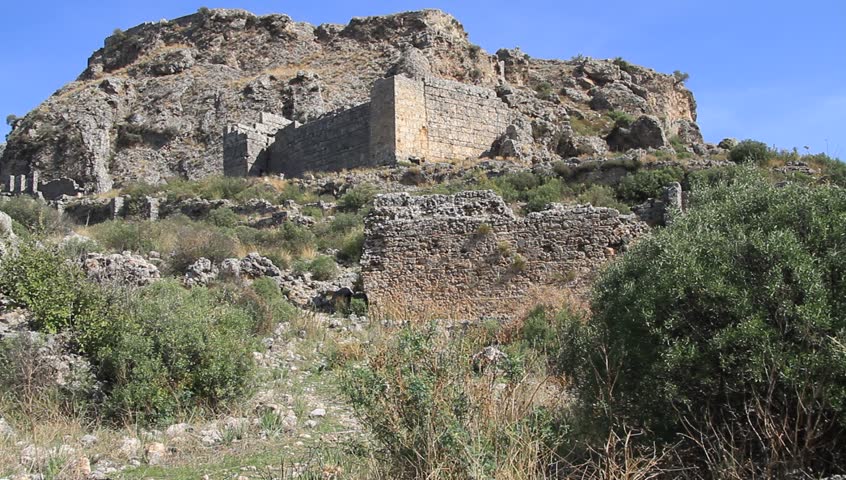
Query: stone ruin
point(406, 119)
point(32, 184)
point(468, 256)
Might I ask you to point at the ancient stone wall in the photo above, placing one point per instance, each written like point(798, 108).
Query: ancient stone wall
point(463, 120)
point(468, 256)
point(430, 119)
point(245, 146)
point(333, 142)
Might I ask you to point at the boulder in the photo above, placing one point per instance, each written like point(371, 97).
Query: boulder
point(123, 269)
point(412, 63)
point(617, 96)
point(728, 143)
point(200, 273)
point(304, 95)
point(645, 132)
point(6, 231)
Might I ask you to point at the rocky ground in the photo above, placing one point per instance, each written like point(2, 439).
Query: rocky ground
point(295, 421)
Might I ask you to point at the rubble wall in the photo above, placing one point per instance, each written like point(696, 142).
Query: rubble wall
point(467, 256)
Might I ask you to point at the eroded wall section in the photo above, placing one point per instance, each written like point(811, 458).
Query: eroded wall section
point(467, 256)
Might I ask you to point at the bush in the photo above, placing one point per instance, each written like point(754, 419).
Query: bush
point(321, 268)
point(602, 196)
point(39, 279)
point(265, 303)
point(357, 198)
point(727, 327)
point(750, 151)
point(37, 217)
point(223, 217)
point(174, 349)
point(620, 118)
point(642, 185)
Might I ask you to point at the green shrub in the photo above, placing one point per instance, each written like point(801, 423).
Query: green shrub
point(174, 349)
point(223, 217)
point(602, 196)
point(296, 239)
point(637, 187)
point(358, 306)
point(39, 279)
point(321, 267)
point(352, 247)
point(265, 303)
point(727, 326)
point(621, 118)
point(357, 198)
point(750, 151)
point(36, 216)
point(624, 65)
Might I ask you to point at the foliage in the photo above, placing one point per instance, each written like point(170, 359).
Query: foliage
point(434, 416)
point(38, 278)
point(621, 118)
point(357, 198)
point(37, 217)
point(601, 196)
point(644, 184)
point(750, 151)
point(321, 267)
point(344, 233)
point(727, 327)
point(624, 65)
point(174, 348)
point(680, 77)
point(223, 217)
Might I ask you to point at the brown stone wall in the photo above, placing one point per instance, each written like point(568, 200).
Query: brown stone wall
point(467, 256)
point(463, 120)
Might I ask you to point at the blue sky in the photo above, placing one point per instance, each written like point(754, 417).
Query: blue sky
point(769, 70)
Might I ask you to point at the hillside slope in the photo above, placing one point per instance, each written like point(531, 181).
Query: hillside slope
point(155, 99)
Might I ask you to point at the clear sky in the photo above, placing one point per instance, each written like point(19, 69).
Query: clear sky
point(772, 70)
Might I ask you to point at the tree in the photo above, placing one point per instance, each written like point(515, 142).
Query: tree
point(728, 326)
point(11, 119)
point(680, 76)
point(750, 151)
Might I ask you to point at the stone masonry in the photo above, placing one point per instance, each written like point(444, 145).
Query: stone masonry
point(426, 119)
point(245, 147)
point(468, 256)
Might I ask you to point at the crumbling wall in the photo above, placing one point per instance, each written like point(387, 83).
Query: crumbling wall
point(333, 142)
point(245, 147)
point(467, 256)
point(463, 120)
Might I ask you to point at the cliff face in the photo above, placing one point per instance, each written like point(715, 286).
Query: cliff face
point(155, 99)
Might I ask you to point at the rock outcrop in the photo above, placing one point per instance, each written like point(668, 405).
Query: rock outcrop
point(154, 101)
point(123, 269)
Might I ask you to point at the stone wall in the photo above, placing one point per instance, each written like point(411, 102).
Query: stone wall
point(463, 120)
point(333, 142)
point(245, 146)
point(432, 119)
point(467, 256)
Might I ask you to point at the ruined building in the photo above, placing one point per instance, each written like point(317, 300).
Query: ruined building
point(468, 256)
point(429, 118)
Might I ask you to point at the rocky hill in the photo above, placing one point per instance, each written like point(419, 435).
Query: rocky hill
point(154, 101)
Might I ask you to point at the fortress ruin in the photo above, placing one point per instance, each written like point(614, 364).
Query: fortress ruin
point(468, 256)
point(430, 118)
